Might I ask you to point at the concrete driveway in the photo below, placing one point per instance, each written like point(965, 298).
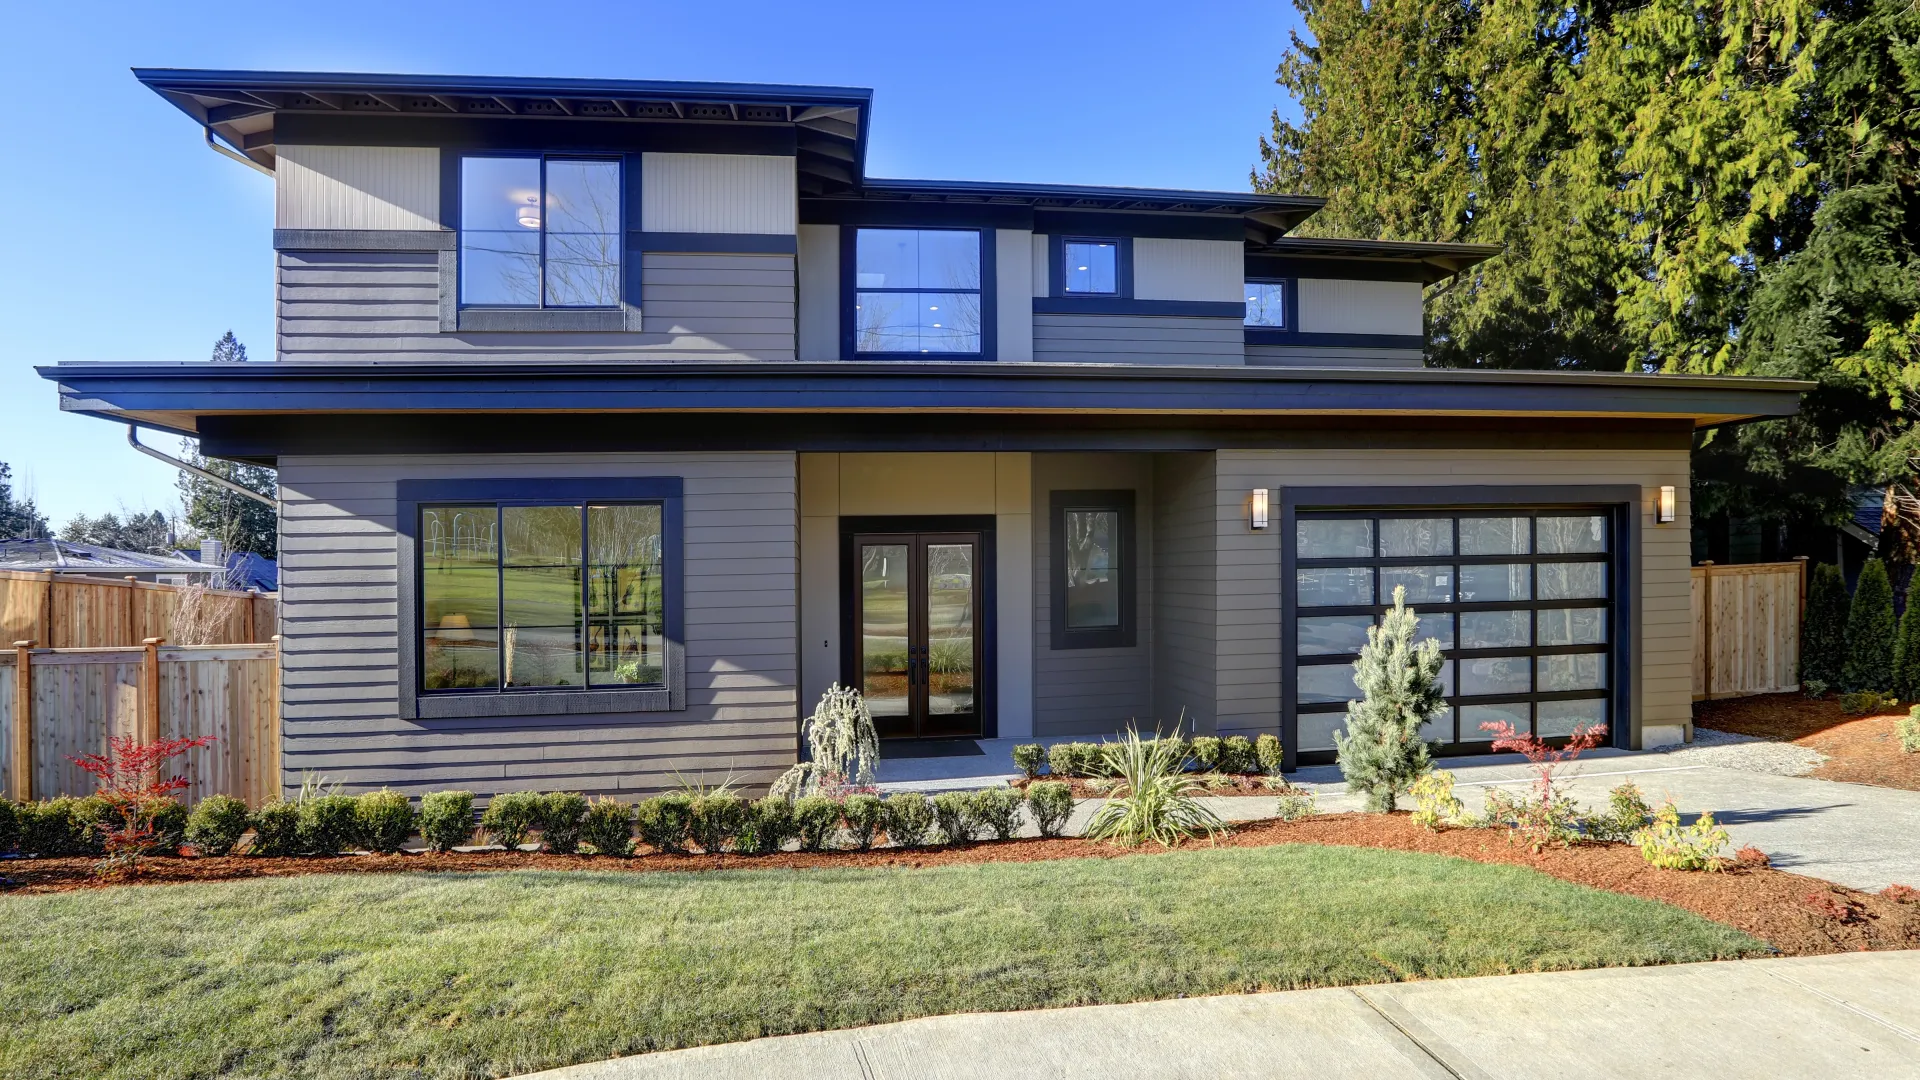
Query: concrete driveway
point(1808, 1018)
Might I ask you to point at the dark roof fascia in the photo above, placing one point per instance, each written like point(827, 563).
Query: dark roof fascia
point(1309, 256)
point(118, 391)
point(1264, 216)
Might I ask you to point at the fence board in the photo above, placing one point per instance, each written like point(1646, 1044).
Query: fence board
point(63, 611)
point(1746, 628)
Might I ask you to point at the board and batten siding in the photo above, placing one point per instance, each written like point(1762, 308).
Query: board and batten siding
point(1332, 306)
point(1093, 691)
point(340, 636)
point(719, 193)
point(357, 187)
point(1137, 339)
point(1185, 604)
point(371, 305)
point(1206, 270)
point(1248, 573)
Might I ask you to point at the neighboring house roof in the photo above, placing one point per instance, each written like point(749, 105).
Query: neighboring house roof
point(66, 557)
point(245, 570)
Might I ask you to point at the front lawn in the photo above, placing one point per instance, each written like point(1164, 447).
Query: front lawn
point(498, 973)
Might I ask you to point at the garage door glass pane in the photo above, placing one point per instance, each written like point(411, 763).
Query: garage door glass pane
point(1438, 729)
point(1326, 635)
point(1495, 535)
point(1424, 584)
point(1437, 627)
point(1321, 539)
point(1415, 538)
point(1583, 535)
point(1490, 675)
point(1323, 685)
point(1316, 730)
point(1473, 716)
point(1573, 581)
point(1559, 718)
point(1494, 629)
point(1496, 583)
point(1574, 671)
point(1573, 626)
point(1335, 586)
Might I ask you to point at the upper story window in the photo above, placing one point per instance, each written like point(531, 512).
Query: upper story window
point(539, 232)
point(917, 291)
point(1090, 267)
point(1267, 304)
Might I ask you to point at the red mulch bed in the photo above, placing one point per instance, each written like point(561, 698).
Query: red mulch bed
point(1859, 749)
point(1796, 915)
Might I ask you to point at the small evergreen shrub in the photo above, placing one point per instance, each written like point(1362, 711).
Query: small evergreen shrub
point(1176, 746)
point(45, 828)
point(561, 815)
point(1051, 804)
point(216, 824)
point(769, 826)
point(816, 819)
point(1090, 759)
point(1908, 728)
point(1869, 663)
point(446, 819)
point(168, 820)
point(510, 817)
point(1906, 649)
point(865, 815)
point(715, 820)
point(1268, 751)
point(1865, 702)
point(1236, 755)
point(91, 815)
point(1668, 844)
point(607, 828)
point(953, 812)
point(1626, 814)
point(276, 829)
point(997, 810)
point(328, 825)
point(1028, 757)
point(1380, 749)
point(1823, 632)
point(1061, 760)
point(910, 817)
point(664, 820)
point(385, 820)
point(9, 825)
point(1206, 751)
point(1434, 803)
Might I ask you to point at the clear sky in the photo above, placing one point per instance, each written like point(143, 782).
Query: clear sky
point(126, 239)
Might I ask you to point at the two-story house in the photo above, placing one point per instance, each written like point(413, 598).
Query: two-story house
point(615, 421)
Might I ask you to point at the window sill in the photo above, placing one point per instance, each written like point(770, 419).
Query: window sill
point(514, 320)
point(538, 703)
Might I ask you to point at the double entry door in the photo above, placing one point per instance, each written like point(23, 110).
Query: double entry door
point(917, 628)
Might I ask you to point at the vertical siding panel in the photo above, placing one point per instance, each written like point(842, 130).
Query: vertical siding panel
point(719, 193)
point(357, 187)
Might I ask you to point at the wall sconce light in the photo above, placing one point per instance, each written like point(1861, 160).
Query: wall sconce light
point(1259, 507)
point(1667, 509)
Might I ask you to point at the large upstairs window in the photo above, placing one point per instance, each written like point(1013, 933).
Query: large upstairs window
point(917, 292)
point(539, 232)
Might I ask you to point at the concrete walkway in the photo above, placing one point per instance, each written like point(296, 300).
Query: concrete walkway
point(1813, 1018)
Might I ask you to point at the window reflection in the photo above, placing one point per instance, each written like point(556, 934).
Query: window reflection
point(1093, 571)
point(1091, 267)
point(539, 232)
point(917, 291)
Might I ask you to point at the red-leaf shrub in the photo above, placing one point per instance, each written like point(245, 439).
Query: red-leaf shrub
point(1752, 858)
point(1548, 816)
point(1901, 894)
point(1827, 907)
point(130, 783)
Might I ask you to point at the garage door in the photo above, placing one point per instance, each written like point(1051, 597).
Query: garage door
point(1521, 601)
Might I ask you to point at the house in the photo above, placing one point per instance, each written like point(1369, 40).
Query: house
point(617, 420)
point(68, 558)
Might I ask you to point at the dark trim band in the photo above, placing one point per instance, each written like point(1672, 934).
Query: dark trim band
point(1263, 335)
point(1119, 305)
point(715, 243)
point(364, 239)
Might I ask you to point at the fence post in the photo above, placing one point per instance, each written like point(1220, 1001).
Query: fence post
point(274, 784)
point(133, 605)
point(150, 691)
point(1706, 612)
point(22, 779)
point(46, 612)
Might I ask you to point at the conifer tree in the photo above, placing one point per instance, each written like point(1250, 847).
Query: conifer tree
point(1906, 653)
point(1869, 663)
point(1381, 752)
point(1823, 631)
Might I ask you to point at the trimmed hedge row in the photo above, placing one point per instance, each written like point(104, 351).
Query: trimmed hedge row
point(564, 822)
point(1233, 754)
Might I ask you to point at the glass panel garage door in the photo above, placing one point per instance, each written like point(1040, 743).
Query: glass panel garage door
point(1521, 602)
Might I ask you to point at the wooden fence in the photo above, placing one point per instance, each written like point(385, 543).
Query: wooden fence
point(1746, 628)
point(65, 612)
point(71, 700)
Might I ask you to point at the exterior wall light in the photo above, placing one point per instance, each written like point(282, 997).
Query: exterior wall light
point(1259, 507)
point(1667, 509)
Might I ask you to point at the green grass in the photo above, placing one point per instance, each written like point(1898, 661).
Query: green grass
point(491, 974)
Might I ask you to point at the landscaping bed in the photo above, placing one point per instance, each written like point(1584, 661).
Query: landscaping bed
point(1215, 785)
point(1785, 910)
point(1859, 749)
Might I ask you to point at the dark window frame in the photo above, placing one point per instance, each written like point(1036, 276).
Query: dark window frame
point(1120, 501)
point(1289, 299)
point(1122, 266)
point(1621, 503)
point(668, 695)
point(850, 294)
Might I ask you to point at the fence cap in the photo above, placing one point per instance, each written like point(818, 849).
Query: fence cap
point(27, 644)
point(153, 641)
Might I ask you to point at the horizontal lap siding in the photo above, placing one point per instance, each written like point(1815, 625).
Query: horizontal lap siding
point(1332, 356)
point(1250, 636)
point(341, 636)
point(344, 306)
point(1140, 339)
point(1185, 607)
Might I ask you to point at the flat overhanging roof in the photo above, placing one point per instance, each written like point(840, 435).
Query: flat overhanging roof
point(174, 396)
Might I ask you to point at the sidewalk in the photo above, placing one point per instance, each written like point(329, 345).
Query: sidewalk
point(1806, 1018)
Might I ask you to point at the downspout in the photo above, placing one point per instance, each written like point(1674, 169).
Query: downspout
point(235, 155)
point(133, 440)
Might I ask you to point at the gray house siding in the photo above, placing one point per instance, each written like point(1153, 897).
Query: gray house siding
point(1092, 691)
point(1185, 604)
point(1332, 356)
point(1137, 339)
point(341, 634)
point(357, 305)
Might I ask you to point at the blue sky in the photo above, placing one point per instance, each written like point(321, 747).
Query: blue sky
point(129, 240)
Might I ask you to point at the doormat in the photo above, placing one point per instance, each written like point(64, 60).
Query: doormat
point(891, 749)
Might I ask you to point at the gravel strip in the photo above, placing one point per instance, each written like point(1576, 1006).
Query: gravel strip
point(1725, 750)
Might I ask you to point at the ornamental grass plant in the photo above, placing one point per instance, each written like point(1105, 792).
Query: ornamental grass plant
point(1156, 799)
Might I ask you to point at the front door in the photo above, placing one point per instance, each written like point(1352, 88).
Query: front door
point(917, 624)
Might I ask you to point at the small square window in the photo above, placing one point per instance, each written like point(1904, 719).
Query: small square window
point(1091, 268)
point(1267, 304)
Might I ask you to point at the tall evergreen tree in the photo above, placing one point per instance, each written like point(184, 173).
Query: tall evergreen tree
point(1906, 653)
point(20, 519)
point(228, 350)
point(1870, 629)
point(150, 532)
point(1823, 629)
point(1381, 752)
point(214, 512)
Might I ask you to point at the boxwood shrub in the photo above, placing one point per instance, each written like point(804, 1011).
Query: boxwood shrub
point(561, 814)
point(909, 819)
point(510, 817)
point(953, 812)
point(769, 826)
point(276, 829)
point(607, 827)
point(216, 824)
point(1236, 754)
point(1267, 751)
point(446, 819)
point(715, 820)
point(384, 820)
point(328, 825)
point(996, 810)
point(1051, 803)
point(9, 825)
point(1028, 757)
point(816, 819)
point(168, 820)
point(663, 820)
point(1206, 751)
point(865, 815)
point(46, 828)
